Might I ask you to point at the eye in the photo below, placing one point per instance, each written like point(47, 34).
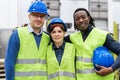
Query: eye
point(59, 31)
point(53, 32)
point(76, 19)
point(83, 17)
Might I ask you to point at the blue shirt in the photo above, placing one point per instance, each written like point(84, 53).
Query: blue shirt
point(59, 52)
point(12, 52)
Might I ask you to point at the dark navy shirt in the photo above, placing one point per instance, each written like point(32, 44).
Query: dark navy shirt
point(59, 52)
point(12, 52)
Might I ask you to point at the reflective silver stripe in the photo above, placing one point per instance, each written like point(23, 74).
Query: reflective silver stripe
point(26, 73)
point(83, 59)
point(30, 61)
point(68, 74)
point(85, 71)
point(42, 61)
point(32, 73)
point(53, 75)
point(42, 73)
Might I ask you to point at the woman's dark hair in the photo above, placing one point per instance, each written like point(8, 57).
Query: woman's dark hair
point(88, 14)
point(51, 29)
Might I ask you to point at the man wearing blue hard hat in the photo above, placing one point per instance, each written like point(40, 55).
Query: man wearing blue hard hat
point(26, 53)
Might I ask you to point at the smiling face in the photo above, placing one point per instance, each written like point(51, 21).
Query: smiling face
point(81, 20)
point(57, 35)
point(36, 20)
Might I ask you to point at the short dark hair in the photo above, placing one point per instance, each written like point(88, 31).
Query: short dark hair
point(88, 14)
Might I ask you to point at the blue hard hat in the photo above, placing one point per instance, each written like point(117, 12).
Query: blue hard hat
point(103, 57)
point(38, 6)
point(56, 21)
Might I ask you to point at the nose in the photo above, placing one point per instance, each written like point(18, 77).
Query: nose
point(56, 34)
point(81, 20)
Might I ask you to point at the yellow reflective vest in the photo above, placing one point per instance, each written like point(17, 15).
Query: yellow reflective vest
point(64, 71)
point(84, 54)
point(31, 61)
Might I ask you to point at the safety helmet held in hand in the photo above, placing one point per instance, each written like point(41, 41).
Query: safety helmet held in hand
point(56, 21)
point(102, 57)
point(38, 6)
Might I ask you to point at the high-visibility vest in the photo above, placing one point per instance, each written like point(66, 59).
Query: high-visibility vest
point(31, 60)
point(64, 71)
point(84, 54)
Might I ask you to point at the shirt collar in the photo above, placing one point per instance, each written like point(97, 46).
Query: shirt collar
point(62, 46)
point(88, 30)
point(30, 30)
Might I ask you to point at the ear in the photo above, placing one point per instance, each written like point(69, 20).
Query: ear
point(64, 33)
point(89, 18)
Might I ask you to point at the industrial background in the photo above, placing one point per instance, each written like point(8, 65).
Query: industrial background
point(14, 14)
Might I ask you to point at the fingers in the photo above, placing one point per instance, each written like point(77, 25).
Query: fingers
point(100, 72)
point(103, 70)
point(98, 66)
